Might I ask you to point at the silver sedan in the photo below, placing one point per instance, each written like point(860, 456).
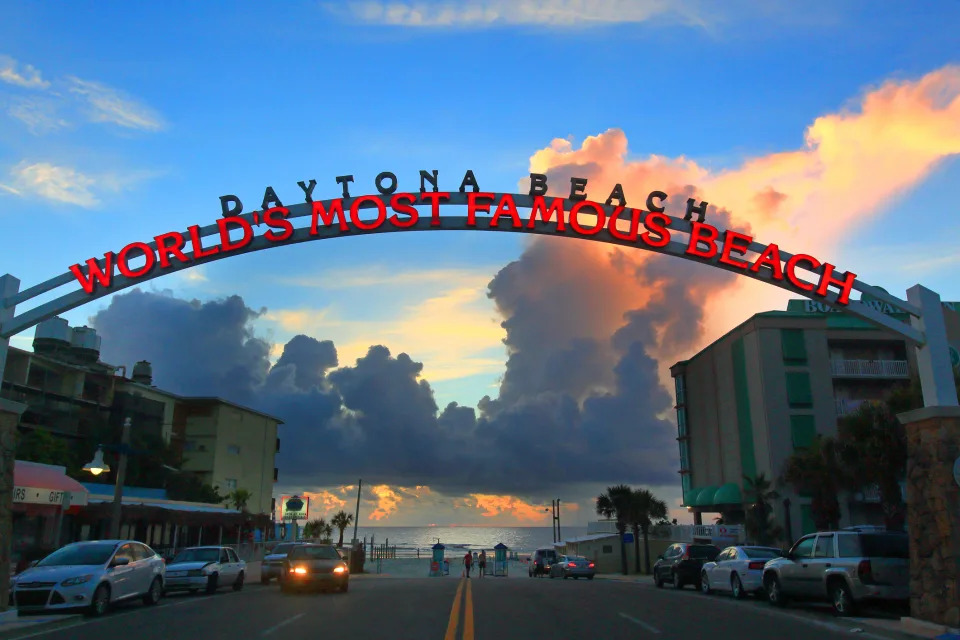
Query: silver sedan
point(573, 567)
point(737, 569)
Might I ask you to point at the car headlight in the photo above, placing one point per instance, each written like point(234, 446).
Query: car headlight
point(300, 570)
point(72, 582)
point(340, 570)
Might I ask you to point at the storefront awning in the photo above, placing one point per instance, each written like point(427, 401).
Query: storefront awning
point(46, 484)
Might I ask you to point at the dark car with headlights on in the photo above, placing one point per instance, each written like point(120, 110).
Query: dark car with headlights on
point(316, 566)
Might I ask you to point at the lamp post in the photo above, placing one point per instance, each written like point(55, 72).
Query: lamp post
point(98, 466)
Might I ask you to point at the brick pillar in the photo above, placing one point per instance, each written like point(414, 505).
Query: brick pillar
point(9, 418)
point(933, 513)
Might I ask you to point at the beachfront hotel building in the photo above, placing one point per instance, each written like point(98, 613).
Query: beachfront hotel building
point(765, 389)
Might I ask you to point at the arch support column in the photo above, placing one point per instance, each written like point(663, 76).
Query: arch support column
point(933, 513)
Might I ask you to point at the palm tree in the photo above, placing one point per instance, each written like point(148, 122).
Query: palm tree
point(761, 528)
point(341, 520)
point(818, 471)
point(644, 509)
point(326, 535)
point(616, 503)
point(239, 499)
point(873, 446)
point(317, 528)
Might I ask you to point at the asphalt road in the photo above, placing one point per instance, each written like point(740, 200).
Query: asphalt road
point(455, 608)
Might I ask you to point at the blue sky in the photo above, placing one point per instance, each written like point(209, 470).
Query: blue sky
point(120, 121)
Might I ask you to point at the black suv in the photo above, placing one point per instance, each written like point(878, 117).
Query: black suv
point(680, 564)
point(540, 562)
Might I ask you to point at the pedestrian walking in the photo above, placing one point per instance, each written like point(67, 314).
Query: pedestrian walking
point(467, 562)
point(482, 562)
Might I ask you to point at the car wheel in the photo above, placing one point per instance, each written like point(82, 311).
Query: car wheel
point(100, 602)
point(842, 599)
point(775, 591)
point(238, 583)
point(153, 596)
point(677, 582)
point(704, 584)
point(345, 587)
point(212, 583)
point(657, 580)
point(737, 587)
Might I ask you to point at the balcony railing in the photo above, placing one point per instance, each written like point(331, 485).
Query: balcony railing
point(870, 368)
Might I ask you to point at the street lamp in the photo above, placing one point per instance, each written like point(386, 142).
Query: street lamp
point(98, 466)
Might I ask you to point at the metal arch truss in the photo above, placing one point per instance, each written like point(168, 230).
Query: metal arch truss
point(926, 330)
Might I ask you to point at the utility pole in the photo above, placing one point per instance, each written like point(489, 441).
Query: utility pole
point(557, 518)
point(356, 514)
point(121, 477)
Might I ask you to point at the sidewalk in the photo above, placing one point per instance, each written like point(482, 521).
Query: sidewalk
point(12, 625)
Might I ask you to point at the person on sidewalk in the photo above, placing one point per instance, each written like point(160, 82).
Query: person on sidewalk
point(467, 563)
point(482, 562)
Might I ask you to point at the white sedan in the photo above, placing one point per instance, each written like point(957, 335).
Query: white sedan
point(91, 575)
point(206, 568)
point(738, 570)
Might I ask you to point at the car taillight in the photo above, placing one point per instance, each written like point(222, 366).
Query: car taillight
point(571, 564)
point(591, 566)
point(686, 554)
point(865, 572)
point(754, 566)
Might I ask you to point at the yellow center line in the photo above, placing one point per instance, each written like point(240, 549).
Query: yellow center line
point(454, 614)
point(468, 614)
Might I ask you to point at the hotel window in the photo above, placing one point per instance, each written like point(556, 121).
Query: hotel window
point(799, 393)
point(803, 430)
point(234, 449)
point(231, 484)
point(794, 346)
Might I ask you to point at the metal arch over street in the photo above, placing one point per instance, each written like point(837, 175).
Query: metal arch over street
point(653, 231)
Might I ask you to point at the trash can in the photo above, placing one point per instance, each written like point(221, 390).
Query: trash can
point(500, 562)
point(436, 562)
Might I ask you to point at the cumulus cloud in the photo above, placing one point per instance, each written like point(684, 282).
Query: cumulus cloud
point(26, 76)
point(111, 105)
point(553, 13)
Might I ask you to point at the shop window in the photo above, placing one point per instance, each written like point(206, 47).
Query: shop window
point(794, 346)
point(803, 430)
point(799, 393)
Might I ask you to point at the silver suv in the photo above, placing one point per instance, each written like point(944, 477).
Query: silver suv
point(845, 567)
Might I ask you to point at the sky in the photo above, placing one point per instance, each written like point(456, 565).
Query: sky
point(461, 373)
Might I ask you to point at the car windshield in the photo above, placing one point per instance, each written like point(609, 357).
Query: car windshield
point(79, 554)
point(281, 549)
point(315, 553)
point(884, 546)
point(197, 555)
point(703, 552)
point(761, 553)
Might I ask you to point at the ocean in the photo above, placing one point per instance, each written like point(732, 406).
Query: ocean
point(519, 539)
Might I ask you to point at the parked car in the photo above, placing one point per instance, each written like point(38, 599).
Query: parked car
point(737, 569)
point(91, 575)
point(314, 565)
point(541, 561)
point(681, 563)
point(206, 568)
point(272, 565)
point(573, 567)
point(844, 567)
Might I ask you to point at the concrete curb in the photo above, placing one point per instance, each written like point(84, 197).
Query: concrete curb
point(29, 625)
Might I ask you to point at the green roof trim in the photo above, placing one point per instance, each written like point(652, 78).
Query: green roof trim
point(728, 494)
point(705, 498)
point(690, 497)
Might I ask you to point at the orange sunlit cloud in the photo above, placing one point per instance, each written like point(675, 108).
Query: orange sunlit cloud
point(852, 163)
point(494, 505)
point(324, 502)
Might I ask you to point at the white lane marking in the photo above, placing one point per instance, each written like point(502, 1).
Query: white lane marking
point(283, 624)
point(641, 623)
